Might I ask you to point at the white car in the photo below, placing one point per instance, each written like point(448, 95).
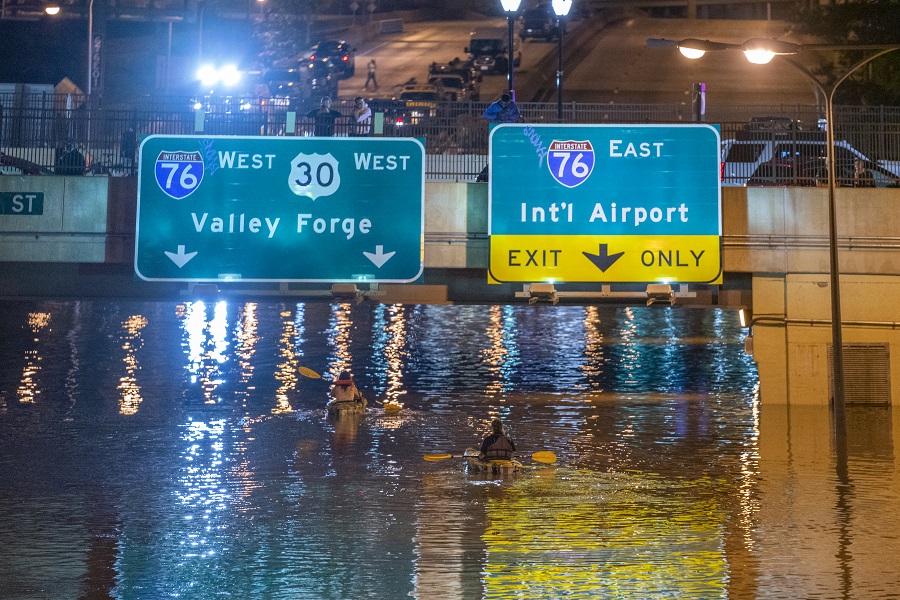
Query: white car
point(740, 158)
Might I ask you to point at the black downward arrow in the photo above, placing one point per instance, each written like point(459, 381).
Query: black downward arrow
point(604, 259)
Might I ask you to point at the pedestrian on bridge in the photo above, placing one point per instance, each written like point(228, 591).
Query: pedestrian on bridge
point(324, 118)
point(502, 110)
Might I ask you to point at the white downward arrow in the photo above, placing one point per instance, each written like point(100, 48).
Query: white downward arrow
point(180, 258)
point(379, 257)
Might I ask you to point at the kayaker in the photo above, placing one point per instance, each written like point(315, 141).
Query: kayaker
point(344, 389)
point(497, 446)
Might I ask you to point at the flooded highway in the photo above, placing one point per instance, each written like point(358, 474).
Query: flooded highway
point(173, 449)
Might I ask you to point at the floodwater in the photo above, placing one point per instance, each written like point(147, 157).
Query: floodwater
point(172, 450)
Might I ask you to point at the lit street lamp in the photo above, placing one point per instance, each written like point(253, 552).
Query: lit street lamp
point(560, 9)
point(510, 6)
point(761, 51)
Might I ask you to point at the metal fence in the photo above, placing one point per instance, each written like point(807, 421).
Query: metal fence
point(67, 134)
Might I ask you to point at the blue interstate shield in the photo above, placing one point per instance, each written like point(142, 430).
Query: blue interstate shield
point(570, 162)
point(178, 173)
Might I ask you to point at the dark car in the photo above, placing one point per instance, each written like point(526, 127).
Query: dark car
point(813, 171)
point(320, 76)
point(341, 53)
point(539, 22)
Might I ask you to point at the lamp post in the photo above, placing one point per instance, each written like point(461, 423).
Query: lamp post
point(90, 56)
point(560, 9)
point(761, 51)
point(510, 6)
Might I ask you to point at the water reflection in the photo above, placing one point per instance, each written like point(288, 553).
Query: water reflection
point(290, 339)
point(675, 478)
point(129, 390)
point(28, 389)
point(206, 344)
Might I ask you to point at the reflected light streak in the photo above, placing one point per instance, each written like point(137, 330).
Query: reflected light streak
point(287, 368)
point(495, 355)
point(206, 346)
point(339, 339)
point(27, 390)
point(394, 353)
point(129, 390)
point(202, 492)
point(245, 347)
point(592, 367)
point(630, 363)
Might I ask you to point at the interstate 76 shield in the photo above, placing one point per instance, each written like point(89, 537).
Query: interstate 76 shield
point(280, 209)
point(604, 203)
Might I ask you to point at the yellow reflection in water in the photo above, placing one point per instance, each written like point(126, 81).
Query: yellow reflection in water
point(389, 353)
point(394, 353)
point(496, 355)
point(207, 343)
point(247, 338)
point(291, 329)
point(27, 390)
point(129, 390)
point(339, 339)
point(593, 349)
point(590, 535)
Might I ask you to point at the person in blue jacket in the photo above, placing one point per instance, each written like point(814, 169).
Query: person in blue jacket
point(503, 110)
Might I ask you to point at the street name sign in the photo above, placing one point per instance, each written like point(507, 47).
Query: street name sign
point(605, 203)
point(284, 209)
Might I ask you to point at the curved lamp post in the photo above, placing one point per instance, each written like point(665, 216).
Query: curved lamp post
point(761, 51)
point(560, 9)
point(510, 7)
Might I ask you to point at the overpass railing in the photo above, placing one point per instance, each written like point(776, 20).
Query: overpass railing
point(74, 135)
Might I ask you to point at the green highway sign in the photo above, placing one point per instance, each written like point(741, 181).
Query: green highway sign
point(301, 209)
point(605, 203)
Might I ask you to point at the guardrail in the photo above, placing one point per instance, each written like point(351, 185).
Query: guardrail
point(65, 134)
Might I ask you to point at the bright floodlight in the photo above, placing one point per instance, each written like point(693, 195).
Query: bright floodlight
point(208, 75)
point(230, 75)
point(510, 6)
point(561, 7)
point(759, 56)
point(52, 10)
point(691, 52)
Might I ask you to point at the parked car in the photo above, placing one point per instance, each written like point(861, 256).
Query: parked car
point(451, 88)
point(539, 22)
point(341, 53)
point(741, 156)
point(419, 103)
point(811, 171)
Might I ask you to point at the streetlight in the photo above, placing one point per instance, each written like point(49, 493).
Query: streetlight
point(90, 69)
point(510, 6)
point(560, 9)
point(760, 51)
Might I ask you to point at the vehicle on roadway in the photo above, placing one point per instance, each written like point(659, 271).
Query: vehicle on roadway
point(768, 140)
point(539, 22)
point(489, 49)
point(341, 53)
point(812, 171)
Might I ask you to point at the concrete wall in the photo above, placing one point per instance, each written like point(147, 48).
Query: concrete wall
point(72, 227)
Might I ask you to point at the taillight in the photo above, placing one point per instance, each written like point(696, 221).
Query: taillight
point(721, 171)
point(346, 58)
point(313, 57)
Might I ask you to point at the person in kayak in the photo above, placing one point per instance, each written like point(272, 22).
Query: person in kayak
point(497, 446)
point(345, 390)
